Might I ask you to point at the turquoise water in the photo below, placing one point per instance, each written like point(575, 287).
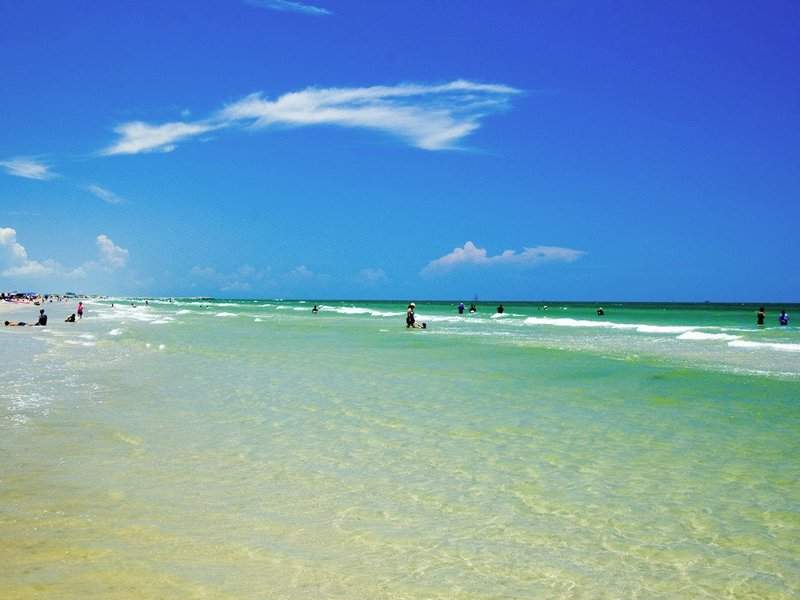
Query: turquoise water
point(232, 449)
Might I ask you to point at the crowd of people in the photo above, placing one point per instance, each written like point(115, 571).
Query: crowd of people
point(38, 300)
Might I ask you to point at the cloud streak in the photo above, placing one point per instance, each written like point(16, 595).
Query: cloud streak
point(136, 137)
point(104, 194)
point(28, 168)
point(471, 255)
point(430, 117)
point(290, 6)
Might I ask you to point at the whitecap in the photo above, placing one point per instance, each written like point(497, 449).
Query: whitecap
point(359, 310)
point(700, 336)
point(226, 314)
point(639, 327)
point(665, 328)
point(781, 347)
point(115, 331)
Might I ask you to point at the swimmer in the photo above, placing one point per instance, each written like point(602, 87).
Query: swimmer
point(15, 323)
point(315, 310)
point(501, 309)
point(600, 311)
point(70, 319)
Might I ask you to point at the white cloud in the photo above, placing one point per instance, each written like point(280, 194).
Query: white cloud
point(431, 117)
point(27, 167)
point(14, 260)
point(291, 6)
point(137, 137)
point(111, 255)
point(104, 194)
point(372, 276)
point(470, 254)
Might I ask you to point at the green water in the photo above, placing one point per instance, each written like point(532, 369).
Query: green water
point(254, 450)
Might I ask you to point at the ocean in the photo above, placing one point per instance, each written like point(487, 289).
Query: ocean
point(251, 449)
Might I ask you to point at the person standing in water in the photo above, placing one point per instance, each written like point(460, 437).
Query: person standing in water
point(461, 308)
point(783, 319)
point(315, 310)
point(80, 310)
point(760, 316)
point(410, 319)
point(501, 309)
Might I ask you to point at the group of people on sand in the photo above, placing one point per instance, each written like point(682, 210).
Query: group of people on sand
point(42, 320)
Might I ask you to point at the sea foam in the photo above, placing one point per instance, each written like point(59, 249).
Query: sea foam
point(770, 345)
point(700, 336)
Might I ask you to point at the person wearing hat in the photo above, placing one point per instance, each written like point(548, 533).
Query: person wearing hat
point(410, 315)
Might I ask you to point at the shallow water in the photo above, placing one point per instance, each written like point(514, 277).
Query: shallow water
point(251, 449)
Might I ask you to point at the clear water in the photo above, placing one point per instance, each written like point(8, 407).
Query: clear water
point(250, 449)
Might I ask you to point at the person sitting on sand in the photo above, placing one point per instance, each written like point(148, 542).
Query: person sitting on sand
point(70, 319)
point(42, 319)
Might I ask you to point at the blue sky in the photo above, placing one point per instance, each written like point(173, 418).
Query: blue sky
point(334, 149)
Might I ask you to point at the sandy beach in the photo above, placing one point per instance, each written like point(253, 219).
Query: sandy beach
point(29, 312)
point(203, 448)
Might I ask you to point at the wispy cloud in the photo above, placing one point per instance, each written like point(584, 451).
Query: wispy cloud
point(29, 168)
point(290, 6)
point(302, 273)
point(431, 117)
point(470, 254)
point(137, 137)
point(372, 276)
point(15, 262)
point(241, 280)
point(104, 194)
